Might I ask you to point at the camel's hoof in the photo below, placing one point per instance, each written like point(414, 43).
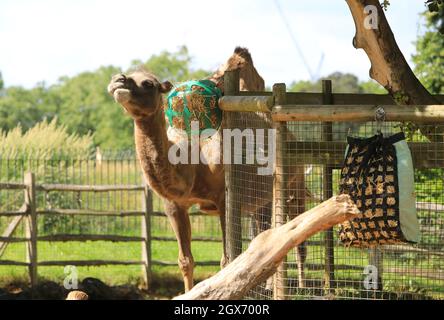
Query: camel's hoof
point(224, 261)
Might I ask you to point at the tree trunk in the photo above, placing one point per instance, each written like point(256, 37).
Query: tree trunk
point(268, 250)
point(388, 65)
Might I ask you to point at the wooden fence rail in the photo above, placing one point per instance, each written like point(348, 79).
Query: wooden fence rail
point(29, 214)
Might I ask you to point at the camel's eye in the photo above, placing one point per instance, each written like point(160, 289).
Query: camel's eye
point(147, 84)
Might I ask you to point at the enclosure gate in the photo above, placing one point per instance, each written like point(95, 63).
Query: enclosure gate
point(311, 131)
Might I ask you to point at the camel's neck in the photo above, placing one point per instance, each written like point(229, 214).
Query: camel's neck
point(152, 147)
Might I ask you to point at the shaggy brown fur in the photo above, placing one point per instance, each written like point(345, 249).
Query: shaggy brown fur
point(241, 60)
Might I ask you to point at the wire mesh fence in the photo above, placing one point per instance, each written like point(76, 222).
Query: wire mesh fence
point(249, 193)
point(97, 213)
point(309, 158)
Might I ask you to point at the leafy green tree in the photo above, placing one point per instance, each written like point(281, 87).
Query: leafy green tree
point(429, 57)
point(371, 86)
point(84, 106)
point(2, 84)
point(82, 102)
point(172, 66)
point(341, 83)
point(25, 106)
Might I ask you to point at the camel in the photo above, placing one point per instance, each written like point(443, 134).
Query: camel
point(183, 185)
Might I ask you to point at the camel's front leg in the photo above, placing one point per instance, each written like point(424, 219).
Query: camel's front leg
point(221, 208)
point(180, 221)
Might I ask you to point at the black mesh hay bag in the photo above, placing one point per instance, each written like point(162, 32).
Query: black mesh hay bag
point(378, 175)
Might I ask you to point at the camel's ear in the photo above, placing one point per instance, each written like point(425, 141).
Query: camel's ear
point(165, 87)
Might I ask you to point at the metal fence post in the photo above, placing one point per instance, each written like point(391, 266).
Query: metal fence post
point(31, 227)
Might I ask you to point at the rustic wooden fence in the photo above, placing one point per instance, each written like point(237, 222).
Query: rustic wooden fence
point(29, 213)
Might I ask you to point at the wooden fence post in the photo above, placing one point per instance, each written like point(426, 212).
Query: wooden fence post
point(280, 207)
point(327, 187)
point(232, 196)
point(31, 227)
point(147, 207)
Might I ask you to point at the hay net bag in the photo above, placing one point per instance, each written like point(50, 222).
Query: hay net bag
point(378, 175)
point(195, 100)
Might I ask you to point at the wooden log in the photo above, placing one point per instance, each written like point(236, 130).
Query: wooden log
point(315, 98)
point(280, 194)
point(88, 237)
point(31, 226)
point(327, 190)
point(254, 93)
point(358, 113)
point(268, 249)
point(246, 104)
point(85, 188)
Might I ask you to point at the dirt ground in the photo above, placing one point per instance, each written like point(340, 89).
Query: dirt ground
point(97, 290)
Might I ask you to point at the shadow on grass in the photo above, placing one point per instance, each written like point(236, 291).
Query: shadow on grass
point(163, 286)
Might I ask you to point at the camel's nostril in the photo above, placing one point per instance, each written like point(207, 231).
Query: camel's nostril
point(122, 78)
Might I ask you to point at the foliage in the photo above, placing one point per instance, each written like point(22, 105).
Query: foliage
point(429, 57)
point(342, 83)
point(436, 6)
point(2, 84)
point(25, 107)
point(85, 106)
point(44, 141)
point(42, 149)
point(385, 4)
point(82, 103)
point(172, 66)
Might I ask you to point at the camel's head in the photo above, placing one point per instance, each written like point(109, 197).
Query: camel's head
point(139, 93)
point(250, 79)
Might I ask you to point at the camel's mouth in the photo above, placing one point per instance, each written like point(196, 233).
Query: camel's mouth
point(122, 95)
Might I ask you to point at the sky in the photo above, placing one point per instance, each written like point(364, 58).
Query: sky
point(46, 39)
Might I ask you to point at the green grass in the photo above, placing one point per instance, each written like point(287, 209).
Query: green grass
point(112, 275)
